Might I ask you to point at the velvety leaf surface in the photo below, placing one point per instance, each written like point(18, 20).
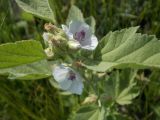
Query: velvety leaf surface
point(31, 71)
point(126, 48)
point(39, 8)
point(121, 87)
point(74, 14)
point(23, 52)
point(91, 21)
point(90, 112)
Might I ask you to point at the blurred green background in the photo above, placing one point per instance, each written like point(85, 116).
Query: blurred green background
point(37, 100)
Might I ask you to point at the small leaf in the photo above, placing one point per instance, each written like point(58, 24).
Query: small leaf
point(74, 14)
point(125, 48)
point(90, 112)
point(39, 8)
point(115, 89)
point(126, 99)
point(126, 96)
point(91, 22)
point(23, 52)
point(31, 71)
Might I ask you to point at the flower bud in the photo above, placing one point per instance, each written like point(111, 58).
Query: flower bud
point(56, 36)
point(49, 27)
point(90, 99)
point(47, 37)
point(54, 30)
point(74, 45)
point(49, 53)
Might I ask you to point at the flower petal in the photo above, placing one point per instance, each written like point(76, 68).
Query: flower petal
point(65, 28)
point(60, 73)
point(74, 26)
point(90, 44)
point(76, 87)
point(65, 85)
point(68, 33)
point(86, 28)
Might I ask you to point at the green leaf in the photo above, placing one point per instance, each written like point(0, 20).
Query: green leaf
point(125, 48)
point(121, 89)
point(126, 96)
point(31, 71)
point(91, 22)
point(39, 8)
point(23, 52)
point(74, 14)
point(157, 111)
point(90, 112)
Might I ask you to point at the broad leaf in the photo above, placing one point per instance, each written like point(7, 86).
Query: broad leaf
point(32, 71)
point(39, 8)
point(126, 96)
point(120, 89)
point(23, 52)
point(90, 113)
point(74, 14)
point(125, 48)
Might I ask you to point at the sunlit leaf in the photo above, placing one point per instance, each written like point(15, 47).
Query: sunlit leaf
point(31, 71)
point(125, 48)
point(90, 112)
point(74, 14)
point(23, 52)
point(39, 8)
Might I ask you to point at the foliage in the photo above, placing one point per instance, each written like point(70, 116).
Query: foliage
point(125, 48)
point(115, 72)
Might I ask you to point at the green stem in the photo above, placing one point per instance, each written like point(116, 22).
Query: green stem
point(117, 83)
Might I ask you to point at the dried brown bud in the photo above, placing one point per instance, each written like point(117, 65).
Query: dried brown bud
point(77, 64)
point(49, 26)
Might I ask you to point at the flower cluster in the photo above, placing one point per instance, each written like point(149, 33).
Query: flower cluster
point(78, 35)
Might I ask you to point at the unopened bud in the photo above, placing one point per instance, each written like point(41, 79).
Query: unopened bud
point(90, 99)
point(74, 45)
point(47, 37)
point(53, 29)
point(49, 53)
point(48, 26)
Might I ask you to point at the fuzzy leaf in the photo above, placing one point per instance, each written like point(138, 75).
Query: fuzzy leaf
point(31, 71)
point(121, 89)
point(23, 52)
point(91, 22)
point(90, 113)
point(74, 14)
point(125, 48)
point(39, 8)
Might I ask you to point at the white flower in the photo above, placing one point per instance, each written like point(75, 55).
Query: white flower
point(82, 33)
point(68, 79)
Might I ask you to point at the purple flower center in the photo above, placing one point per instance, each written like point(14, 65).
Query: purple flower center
point(72, 76)
point(80, 35)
